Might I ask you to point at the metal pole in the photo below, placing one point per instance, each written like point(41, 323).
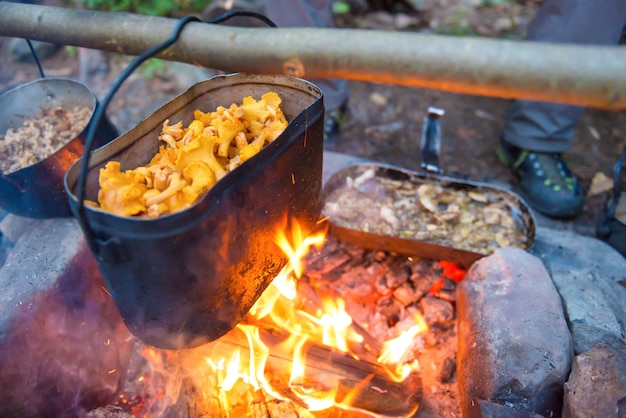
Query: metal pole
point(582, 75)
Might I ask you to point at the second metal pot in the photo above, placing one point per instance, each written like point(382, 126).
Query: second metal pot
point(37, 191)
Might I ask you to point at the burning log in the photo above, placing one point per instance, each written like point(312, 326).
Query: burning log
point(363, 386)
point(369, 349)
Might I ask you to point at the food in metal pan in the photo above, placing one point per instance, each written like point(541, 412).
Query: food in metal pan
point(472, 220)
point(192, 159)
point(40, 136)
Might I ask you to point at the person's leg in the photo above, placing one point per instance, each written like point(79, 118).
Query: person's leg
point(310, 13)
point(548, 127)
point(535, 133)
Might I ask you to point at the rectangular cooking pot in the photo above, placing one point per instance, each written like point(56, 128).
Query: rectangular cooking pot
point(189, 277)
point(430, 147)
point(464, 258)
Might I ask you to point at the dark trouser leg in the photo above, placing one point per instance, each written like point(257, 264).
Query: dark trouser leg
point(310, 13)
point(546, 127)
point(540, 126)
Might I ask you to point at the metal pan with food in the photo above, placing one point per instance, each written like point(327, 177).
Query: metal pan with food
point(185, 277)
point(43, 125)
point(428, 215)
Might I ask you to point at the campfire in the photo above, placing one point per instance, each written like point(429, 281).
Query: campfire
point(339, 332)
point(285, 359)
point(319, 340)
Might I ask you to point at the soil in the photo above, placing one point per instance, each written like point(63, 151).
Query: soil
point(383, 121)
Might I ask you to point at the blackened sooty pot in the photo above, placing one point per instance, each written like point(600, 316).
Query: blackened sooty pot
point(37, 191)
point(189, 277)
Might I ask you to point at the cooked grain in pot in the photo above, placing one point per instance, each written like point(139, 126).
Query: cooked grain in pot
point(40, 136)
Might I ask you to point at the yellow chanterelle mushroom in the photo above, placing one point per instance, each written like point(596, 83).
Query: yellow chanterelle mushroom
point(192, 159)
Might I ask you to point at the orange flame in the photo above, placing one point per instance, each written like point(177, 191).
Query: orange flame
point(299, 246)
point(244, 357)
point(395, 350)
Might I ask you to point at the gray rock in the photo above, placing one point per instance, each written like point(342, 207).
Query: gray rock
point(586, 272)
point(13, 227)
point(514, 347)
point(597, 384)
point(485, 409)
point(64, 347)
point(18, 50)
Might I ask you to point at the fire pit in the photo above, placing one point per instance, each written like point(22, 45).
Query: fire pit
point(345, 310)
point(383, 294)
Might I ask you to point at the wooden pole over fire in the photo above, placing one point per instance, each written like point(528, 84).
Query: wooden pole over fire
point(592, 76)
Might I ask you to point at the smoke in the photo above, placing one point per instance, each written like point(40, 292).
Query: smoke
point(66, 349)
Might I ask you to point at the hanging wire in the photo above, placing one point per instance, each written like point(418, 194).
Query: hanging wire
point(101, 108)
point(35, 57)
point(228, 15)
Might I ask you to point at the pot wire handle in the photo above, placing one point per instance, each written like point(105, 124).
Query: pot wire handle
point(35, 57)
point(228, 15)
point(101, 108)
point(98, 114)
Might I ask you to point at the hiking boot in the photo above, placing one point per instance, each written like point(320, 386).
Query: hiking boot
point(545, 181)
